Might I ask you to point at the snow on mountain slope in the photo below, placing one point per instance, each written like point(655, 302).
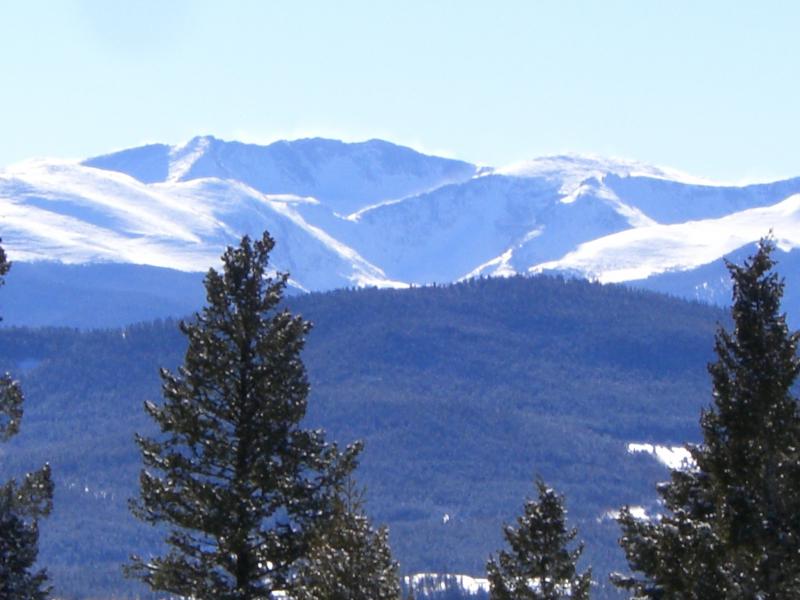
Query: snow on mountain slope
point(648, 198)
point(345, 177)
point(589, 211)
point(677, 201)
point(148, 164)
point(79, 214)
point(573, 169)
point(75, 214)
point(374, 213)
point(661, 194)
point(497, 223)
point(442, 235)
point(646, 251)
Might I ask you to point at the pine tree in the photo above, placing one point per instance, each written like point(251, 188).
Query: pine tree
point(21, 504)
point(539, 566)
point(732, 528)
point(233, 475)
point(349, 560)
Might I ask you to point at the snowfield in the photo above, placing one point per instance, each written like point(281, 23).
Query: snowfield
point(672, 457)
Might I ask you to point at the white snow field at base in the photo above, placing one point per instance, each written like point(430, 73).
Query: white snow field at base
point(672, 457)
point(378, 214)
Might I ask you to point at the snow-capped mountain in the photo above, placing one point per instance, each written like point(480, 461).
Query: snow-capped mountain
point(375, 213)
point(345, 177)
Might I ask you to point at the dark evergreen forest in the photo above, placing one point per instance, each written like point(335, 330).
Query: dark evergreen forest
point(461, 393)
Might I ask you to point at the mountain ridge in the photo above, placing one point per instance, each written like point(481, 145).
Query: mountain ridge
point(374, 213)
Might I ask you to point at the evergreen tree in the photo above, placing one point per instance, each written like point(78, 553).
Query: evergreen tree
point(349, 560)
point(539, 566)
point(732, 529)
point(21, 504)
point(233, 475)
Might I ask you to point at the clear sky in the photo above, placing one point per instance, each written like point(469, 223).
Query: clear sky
point(708, 87)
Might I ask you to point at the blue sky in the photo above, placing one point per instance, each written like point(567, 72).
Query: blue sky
point(712, 88)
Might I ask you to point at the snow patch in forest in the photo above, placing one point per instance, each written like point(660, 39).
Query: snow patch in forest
point(672, 457)
point(438, 582)
point(637, 512)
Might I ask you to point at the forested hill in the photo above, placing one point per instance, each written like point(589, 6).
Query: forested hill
point(462, 393)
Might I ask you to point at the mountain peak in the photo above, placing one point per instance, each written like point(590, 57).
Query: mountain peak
point(574, 168)
point(347, 176)
point(182, 158)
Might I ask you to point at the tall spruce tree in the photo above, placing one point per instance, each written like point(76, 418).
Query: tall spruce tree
point(540, 565)
point(21, 504)
point(732, 528)
point(349, 558)
point(233, 475)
